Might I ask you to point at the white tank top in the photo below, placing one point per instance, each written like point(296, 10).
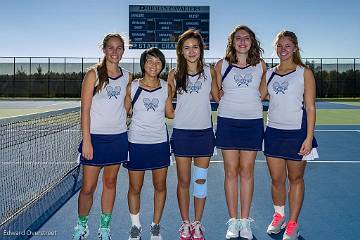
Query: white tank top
point(241, 98)
point(193, 109)
point(107, 112)
point(286, 99)
point(148, 121)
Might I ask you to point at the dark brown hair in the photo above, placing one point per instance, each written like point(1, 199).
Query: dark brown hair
point(155, 52)
point(255, 51)
point(101, 67)
point(181, 67)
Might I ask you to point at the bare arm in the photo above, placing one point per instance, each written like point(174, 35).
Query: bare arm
point(218, 67)
point(127, 101)
point(214, 85)
point(309, 99)
point(263, 87)
point(169, 109)
point(87, 90)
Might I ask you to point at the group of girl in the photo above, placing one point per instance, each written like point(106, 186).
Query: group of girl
point(239, 82)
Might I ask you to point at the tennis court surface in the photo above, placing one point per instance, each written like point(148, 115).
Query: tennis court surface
point(33, 167)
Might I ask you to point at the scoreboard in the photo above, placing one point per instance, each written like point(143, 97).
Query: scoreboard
point(160, 26)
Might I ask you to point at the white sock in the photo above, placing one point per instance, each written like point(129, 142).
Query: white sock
point(153, 224)
point(280, 209)
point(135, 219)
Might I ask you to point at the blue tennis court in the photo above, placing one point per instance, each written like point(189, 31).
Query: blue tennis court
point(332, 195)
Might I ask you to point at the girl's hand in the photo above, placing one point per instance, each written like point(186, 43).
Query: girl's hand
point(306, 147)
point(87, 150)
point(221, 93)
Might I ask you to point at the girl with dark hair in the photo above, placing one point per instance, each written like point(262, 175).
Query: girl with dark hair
point(192, 136)
point(240, 126)
point(148, 100)
point(104, 131)
point(289, 136)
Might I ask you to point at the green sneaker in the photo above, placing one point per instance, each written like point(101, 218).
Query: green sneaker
point(292, 231)
point(80, 232)
point(104, 234)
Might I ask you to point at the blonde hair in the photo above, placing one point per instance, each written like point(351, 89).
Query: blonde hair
point(292, 37)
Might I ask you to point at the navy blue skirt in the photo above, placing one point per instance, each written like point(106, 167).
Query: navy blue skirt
point(108, 149)
point(285, 144)
point(193, 143)
point(148, 156)
point(239, 134)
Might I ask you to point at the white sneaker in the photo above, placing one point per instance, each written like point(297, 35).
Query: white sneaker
point(233, 228)
point(245, 228)
point(104, 234)
point(80, 232)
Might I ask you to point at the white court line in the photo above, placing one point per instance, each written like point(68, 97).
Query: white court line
point(57, 103)
point(37, 163)
point(310, 161)
point(337, 130)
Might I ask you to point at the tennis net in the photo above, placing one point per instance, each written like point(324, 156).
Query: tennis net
point(39, 171)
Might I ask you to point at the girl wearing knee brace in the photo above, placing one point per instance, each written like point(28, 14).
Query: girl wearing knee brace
point(192, 139)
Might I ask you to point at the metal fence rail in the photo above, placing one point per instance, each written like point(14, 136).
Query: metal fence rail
point(62, 76)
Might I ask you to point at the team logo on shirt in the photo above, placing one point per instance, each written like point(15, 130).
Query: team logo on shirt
point(193, 87)
point(151, 104)
point(243, 80)
point(113, 91)
point(280, 87)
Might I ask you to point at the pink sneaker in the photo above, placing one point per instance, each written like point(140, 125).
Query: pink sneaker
point(277, 224)
point(292, 231)
point(197, 231)
point(185, 231)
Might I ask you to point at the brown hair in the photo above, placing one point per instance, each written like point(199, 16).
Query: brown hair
point(101, 67)
point(181, 67)
point(255, 51)
point(291, 35)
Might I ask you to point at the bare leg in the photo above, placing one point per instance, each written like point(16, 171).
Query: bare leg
point(136, 180)
point(231, 182)
point(183, 168)
point(159, 183)
point(277, 169)
point(90, 178)
point(296, 170)
point(109, 188)
point(246, 172)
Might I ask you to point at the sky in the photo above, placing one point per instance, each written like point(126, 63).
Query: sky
point(75, 28)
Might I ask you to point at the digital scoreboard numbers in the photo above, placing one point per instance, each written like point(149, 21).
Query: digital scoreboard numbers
point(160, 26)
